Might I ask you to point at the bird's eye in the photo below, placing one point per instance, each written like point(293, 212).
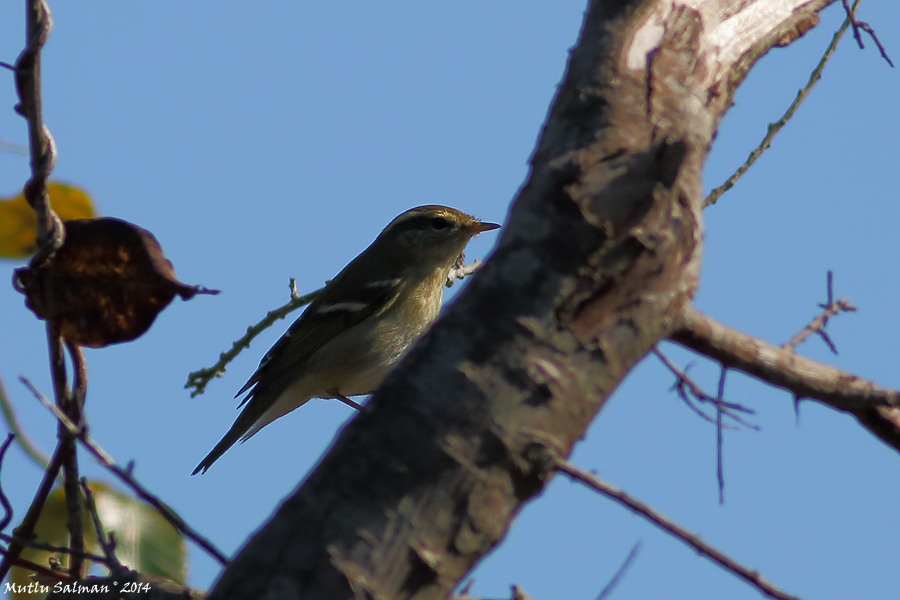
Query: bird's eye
point(439, 223)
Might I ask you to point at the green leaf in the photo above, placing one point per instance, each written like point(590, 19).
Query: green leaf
point(146, 542)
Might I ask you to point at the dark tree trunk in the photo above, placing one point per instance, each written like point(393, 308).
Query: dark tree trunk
point(601, 250)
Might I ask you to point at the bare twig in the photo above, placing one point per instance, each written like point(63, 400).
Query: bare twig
point(687, 388)
point(107, 542)
point(774, 128)
point(461, 270)
point(720, 470)
point(40, 569)
point(75, 520)
point(861, 25)
point(127, 477)
point(873, 405)
point(200, 379)
point(25, 530)
point(67, 404)
point(608, 589)
point(467, 587)
point(4, 501)
point(817, 326)
point(43, 148)
point(750, 576)
point(12, 421)
point(520, 594)
point(51, 548)
point(50, 236)
point(13, 148)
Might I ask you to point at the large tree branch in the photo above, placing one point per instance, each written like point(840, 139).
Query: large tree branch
point(601, 251)
point(875, 407)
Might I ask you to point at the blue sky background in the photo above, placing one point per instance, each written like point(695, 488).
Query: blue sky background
point(259, 145)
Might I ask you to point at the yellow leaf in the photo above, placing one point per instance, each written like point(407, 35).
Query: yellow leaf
point(18, 223)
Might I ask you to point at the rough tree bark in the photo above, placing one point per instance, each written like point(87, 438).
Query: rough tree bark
point(601, 251)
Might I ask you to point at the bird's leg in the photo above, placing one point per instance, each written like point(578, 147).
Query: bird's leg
point(339, 396)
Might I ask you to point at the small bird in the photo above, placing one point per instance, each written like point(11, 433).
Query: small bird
point(361, 324)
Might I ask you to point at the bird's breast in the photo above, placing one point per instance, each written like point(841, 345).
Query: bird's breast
point(360, 360)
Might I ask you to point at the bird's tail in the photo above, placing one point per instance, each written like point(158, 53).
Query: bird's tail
point(226, 442)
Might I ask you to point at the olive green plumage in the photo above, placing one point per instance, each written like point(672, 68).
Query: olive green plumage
point(362, 323)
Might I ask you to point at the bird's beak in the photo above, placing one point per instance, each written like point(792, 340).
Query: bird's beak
point(480, 227)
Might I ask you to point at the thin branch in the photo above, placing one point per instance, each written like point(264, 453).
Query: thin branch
point(873, 405)
point(750, 576)
point(861, 25)
point(4, 501)
point(107, 542)
point(43, 149)
point(25, 530)
point(720, 470)
point(620, 572)
point(774, 128)
point(515, 593)
point(12, 421)
point(127, 477)
point(80, 367)
point(66, 403)
point(520, 594)
point(687, 387)
point(31, 566)
point(51, 548)
point(461, 270)
point(13, 148)
point(50, 236)
point(200, 379)
point(817, 326)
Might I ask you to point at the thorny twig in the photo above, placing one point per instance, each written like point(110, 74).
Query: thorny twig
point(774, 128)
point(127, 477)
point(604, 488)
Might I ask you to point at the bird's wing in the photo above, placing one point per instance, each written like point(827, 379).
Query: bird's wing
point(328, 315)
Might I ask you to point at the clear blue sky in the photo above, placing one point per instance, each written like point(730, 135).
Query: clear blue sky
point(259, 145)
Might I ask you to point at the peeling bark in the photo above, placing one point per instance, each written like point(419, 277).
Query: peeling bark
point(600, 253)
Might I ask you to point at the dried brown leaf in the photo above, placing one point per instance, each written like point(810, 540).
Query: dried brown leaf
point(105, 285)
